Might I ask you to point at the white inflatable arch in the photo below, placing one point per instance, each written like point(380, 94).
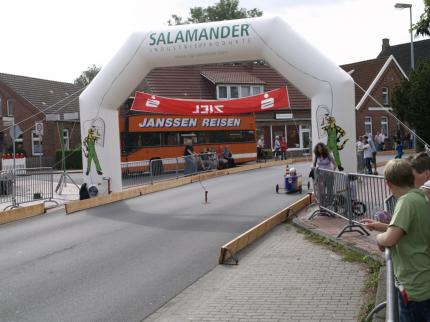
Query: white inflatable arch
point(270, 39)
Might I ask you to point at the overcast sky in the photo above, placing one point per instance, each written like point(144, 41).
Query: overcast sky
point(57, 40)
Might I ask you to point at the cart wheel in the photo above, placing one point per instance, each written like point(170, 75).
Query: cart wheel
point(277, 188)
point(301, 190)
point(358, 208)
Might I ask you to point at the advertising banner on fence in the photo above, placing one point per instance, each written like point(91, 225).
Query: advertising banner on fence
point(272, 100)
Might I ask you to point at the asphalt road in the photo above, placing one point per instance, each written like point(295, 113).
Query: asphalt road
point(121, 262)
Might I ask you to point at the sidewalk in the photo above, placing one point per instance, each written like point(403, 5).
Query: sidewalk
point(282, 277)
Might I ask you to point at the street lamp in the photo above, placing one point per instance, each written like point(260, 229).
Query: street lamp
point(403, 6)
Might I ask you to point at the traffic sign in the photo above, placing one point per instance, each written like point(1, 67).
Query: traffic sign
point(7, 120)
point(15, 132)
point(38, 128)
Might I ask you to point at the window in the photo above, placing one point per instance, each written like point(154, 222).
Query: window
point(9, 107)
point(135, 141)
point(222, 92)
point(66, 139)
point(245, 91)
point(36, 144)
point(385, 96)
point(257, 90)
point(384, 125)
point(367, 125)
point(293, 140)
point(235, 91)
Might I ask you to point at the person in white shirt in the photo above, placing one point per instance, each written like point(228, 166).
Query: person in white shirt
point(377, 141)
point(382, 140)
point(368, 155)
point(360, 158)
point(260, 147)
point(373, 148)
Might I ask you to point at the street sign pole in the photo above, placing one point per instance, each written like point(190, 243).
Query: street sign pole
point(40, 151)
point(13, 170)
point(38, 130)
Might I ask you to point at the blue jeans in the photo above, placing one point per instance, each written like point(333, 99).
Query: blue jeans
point(414, 311)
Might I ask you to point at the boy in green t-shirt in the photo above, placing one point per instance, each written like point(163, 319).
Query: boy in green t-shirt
point(408, 234)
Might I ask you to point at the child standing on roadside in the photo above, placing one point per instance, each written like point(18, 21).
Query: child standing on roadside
point(408, 236)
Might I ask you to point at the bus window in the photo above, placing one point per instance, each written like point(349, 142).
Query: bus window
point(151, 139)
point(187, 136)
point(169, 138)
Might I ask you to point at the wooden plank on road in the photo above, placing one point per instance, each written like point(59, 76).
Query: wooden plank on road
point(245, 239)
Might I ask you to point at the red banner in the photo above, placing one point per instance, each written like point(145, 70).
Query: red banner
point(272, 100)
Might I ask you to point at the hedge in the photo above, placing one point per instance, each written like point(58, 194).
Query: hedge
point(73, 159)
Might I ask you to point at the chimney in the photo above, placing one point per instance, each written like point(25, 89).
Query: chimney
point(385, 43)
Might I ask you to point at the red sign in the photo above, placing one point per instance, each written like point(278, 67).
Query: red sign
point(272, 100)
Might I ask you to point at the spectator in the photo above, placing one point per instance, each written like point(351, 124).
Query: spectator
point(229, 157)
point(426, 188)
point(283, 148)
point(399, 150)
point(373, 148)
point(222, 163)
point(382, 140)
point(360, 156)
point(260, 147)
point(206, 163)
point(377, 141)
point(322, 158)
point(421, 168)
point(277, 148)
point(408, 236)
point(368, 155)
point(190, 163)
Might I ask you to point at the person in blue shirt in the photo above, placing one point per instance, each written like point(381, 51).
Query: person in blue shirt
point(399, 150)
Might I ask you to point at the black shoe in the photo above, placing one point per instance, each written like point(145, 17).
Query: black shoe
point(87, 173)
point(340, 168)
point(99, 173)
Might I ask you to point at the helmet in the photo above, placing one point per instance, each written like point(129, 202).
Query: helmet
point(293, 171)
point(382, 216)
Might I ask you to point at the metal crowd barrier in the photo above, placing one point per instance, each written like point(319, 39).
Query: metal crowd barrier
point(26, 185)
point(360, 162)
point(351, 196)
point(150, 171)
point(391, 304)
point(6, 186)
point(392, 309)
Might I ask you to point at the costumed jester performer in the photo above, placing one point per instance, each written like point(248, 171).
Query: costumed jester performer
point(90, 151)
point(334, 134)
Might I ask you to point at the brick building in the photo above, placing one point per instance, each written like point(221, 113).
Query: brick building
point(235, 80)
point(402, 53)
point(28, 100)
point(375, 81)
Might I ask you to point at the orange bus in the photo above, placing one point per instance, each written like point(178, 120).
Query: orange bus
point(149, 136)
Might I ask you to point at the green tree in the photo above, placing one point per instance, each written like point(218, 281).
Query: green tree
point(223, 10)
point(422, 27)
point(87, 76)
point(411, 100)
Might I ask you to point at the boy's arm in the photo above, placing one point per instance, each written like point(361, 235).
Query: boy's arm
point(390, 237)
